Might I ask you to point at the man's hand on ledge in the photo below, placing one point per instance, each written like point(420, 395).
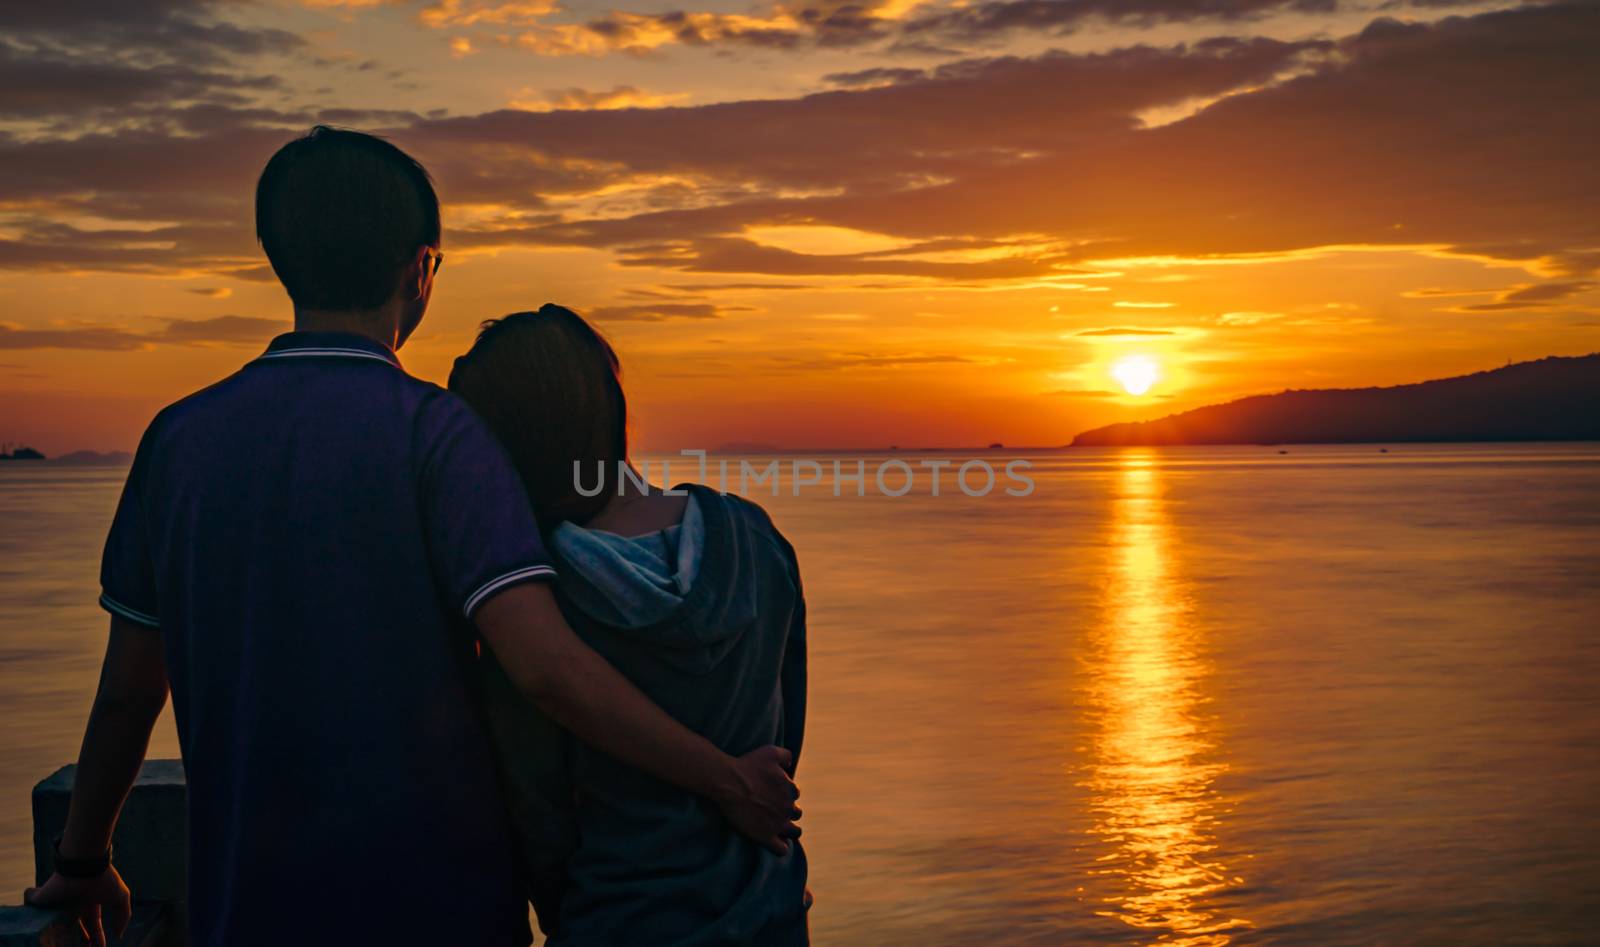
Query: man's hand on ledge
point(760, 800)
point(98, 904)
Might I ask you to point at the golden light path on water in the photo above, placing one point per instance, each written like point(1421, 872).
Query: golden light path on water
point(1152, 769)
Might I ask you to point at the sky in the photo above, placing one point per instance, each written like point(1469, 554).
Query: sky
point(819, 223)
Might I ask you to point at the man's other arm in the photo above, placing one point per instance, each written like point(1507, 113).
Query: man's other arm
point(567, 680)
point(132, 693)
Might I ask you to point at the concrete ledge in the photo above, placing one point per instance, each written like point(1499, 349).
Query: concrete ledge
point(32, 927)
point(152, 840)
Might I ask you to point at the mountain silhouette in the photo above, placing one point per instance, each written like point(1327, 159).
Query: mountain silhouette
point(1551, 399)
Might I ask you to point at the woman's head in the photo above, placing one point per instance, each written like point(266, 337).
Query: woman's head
point(550, 387)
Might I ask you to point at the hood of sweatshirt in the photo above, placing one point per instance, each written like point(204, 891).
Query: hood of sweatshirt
point(685, 591)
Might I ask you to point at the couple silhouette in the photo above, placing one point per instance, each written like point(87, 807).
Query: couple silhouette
point(419, 679)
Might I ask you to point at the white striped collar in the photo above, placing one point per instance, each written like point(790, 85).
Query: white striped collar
point(329, 352)
point(327, 345)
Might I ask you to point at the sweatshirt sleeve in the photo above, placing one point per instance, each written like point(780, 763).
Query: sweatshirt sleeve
point(536, 759)
point(792, 677)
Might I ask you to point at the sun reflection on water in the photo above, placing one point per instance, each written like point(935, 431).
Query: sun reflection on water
point(1153, 760)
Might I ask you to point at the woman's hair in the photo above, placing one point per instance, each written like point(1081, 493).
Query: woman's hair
point(550, 387)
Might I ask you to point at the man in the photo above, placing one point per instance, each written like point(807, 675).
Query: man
point(298, 550)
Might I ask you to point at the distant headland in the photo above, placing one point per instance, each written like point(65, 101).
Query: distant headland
point(1551, 399)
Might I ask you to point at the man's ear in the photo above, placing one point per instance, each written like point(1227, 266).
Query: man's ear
point(418, 274)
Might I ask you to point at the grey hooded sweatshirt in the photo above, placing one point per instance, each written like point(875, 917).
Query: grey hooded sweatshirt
point(708, 619)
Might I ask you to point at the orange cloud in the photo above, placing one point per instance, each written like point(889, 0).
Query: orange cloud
point(1533, 296)
point(660, 312)
point(1039, 162)
point(617, 97)
point(462, 13)
point(621, 31)
point(226, 330)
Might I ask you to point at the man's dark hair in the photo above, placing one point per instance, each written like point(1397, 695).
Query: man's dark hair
point(339, 213)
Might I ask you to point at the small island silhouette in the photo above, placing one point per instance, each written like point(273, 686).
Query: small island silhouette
point(1551, 399)
point(77, 458)
point(7, 452)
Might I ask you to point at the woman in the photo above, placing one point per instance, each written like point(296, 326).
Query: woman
point(693, 595)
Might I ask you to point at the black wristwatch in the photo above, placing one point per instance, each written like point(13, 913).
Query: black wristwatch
point(92, 867)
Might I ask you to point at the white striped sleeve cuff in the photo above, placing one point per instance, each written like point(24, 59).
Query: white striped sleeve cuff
point(131, 614)
point(496, 584)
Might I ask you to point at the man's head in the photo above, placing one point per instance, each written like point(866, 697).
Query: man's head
point(350, 223)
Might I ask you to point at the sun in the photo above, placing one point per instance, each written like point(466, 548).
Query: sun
point(1136, 374)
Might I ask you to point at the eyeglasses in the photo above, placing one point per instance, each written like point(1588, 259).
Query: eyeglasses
point(438, 261)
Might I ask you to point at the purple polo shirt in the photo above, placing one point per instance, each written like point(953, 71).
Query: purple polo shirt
point(310, 536)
